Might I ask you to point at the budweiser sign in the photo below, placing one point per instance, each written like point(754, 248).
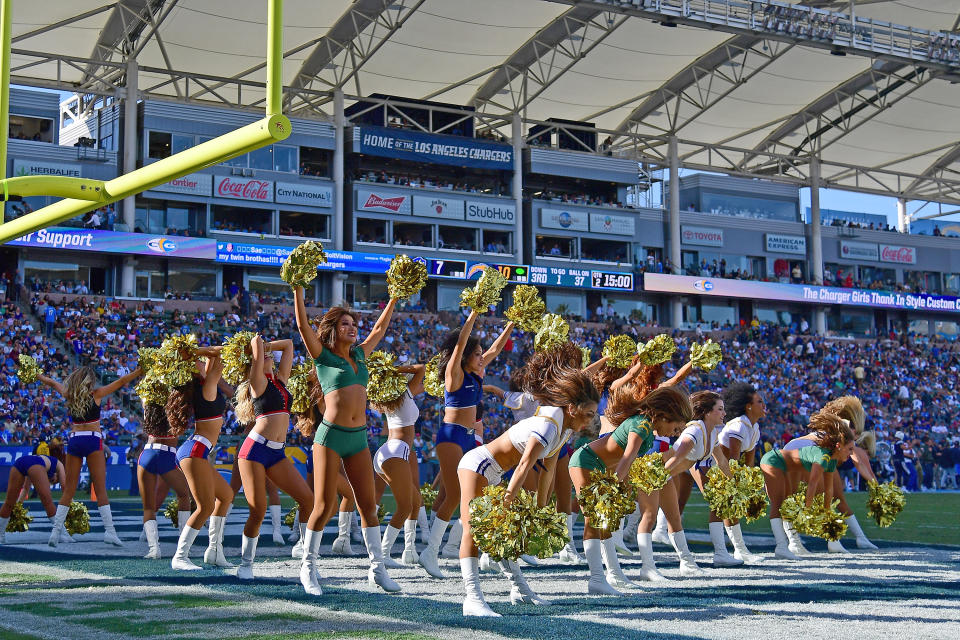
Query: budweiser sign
point(368, 200)
point(244, 189)
point(899, 255)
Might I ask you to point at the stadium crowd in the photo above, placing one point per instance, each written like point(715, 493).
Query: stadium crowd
point(915, 415)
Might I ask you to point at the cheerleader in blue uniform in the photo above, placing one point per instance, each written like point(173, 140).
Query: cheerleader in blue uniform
point(41, 471)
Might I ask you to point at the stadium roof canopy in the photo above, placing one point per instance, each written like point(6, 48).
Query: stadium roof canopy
point(749, 88)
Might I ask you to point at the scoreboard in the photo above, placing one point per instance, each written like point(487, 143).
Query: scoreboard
point(526, 274)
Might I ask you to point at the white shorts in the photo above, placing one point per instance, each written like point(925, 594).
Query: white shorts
point(390, 449)
point(798, 443)
point(481, 461)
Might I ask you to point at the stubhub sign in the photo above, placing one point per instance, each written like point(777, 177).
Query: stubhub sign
point(493, 212)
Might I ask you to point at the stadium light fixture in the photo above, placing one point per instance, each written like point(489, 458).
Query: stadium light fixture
point(82, 195)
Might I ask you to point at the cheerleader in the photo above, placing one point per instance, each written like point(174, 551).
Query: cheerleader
point(850, 409)
point(462, 362)
point(696, 445)
point(341, 437)
point(41, 471)
point(85, 442)
point(400, 470)
point(567, 402)
point(157, 461)
point(739, 438)
point(833, 442)
point(203, 399)
point(264, 400)
point(662, 412)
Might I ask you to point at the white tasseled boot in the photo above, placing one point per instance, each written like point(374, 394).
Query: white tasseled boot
point(688, 564)
point(109, 533)
point(661, 534)
point(630, 527)
point(410, 557)
point(473, 602)
point(355, 529)
point(740, 551)
point(452, 548)
point(520, 591)
point(153, 539)
point(341, 545)
point(428, 557)
point(182, 517)
point(721, 557)
point(214, 553)
point(276, 520)
point(649, 570)
point(248, 551)
point(598, 585)
point(783, 545)
point(378, 572)
point(308, 562)
point(3, 529)
point(181, 559)
point(389, 537)
point(862, 541)
point(617, 537)
point(487, 565)
point(65, 535)
point(297, 550)
point(295, 535)
point(795, 543)
point(58, 519)
point(424, 525)
point(614, 574)
point(835, 546)
point(569, 554)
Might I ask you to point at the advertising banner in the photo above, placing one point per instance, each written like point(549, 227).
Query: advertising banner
point(859, 250)
point(491, 211)
point(243, 188)
point(22, 167)
point(610, 224)
point(143, 244)
point(438, 206)
point(265, 255)
point(436, 148)
point(194, 184)
point(383, 201)
point(812, 294)
point(704, 236)
point(564, 219)
point(314, 195)
point(898, 255)
point(777, 243)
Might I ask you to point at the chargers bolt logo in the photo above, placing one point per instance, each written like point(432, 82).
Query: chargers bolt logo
point(703, 285)
point(161, 245)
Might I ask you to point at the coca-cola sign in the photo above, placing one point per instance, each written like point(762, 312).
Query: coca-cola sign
point(244, 189)
point(897, 254)
point(370, 200)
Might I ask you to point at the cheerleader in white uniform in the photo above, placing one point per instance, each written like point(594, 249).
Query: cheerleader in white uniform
point(850, 409)
point(739, 438)
point(400, 470)
point(568, 403)
point(696, 444)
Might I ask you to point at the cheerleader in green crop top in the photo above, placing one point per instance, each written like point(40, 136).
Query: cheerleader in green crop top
point(341, 435)
point(833, 444)
point(661, 412)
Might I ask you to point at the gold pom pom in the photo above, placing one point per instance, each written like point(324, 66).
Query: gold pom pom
point(819, 519)
point(486, 293)
point(405, 277)
point(509, 531)
point(28, 370)
point(237, 356)
point(706, 356)
point(432, 380)
point(78, 519)
point(605, 500)
point(554, 332)
point(586, 357)
point(151, 389)
point(300, 267)
point(742, 496)
point(381, 513)
point(885, 502)
point(657, 350)
point(793, 508)
point(291, 516)
point(527, 309)
point(619, 351)
point(175, 362)
point(20, 518)
point(172, 511)
point(386, 384)
point(428, 495)
point(648, 474)
point(298, 384)
point(147, 358)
